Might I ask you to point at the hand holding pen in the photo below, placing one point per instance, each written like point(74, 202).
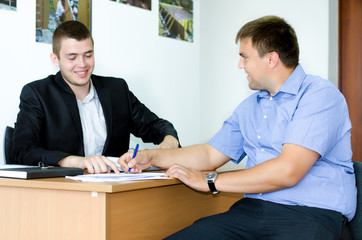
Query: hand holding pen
point(134, 155)
point(137, 162)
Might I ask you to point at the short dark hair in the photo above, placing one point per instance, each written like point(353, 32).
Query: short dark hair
point(272, 33)
point(69, 29)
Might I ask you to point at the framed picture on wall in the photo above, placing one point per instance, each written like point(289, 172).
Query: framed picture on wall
point(50, 13)
point(8, 4)
point(176, 19)
point(145, 4)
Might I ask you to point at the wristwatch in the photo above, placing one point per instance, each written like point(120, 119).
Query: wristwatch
point(210, 179)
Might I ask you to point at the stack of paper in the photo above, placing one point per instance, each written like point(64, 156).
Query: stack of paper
point(122, 177)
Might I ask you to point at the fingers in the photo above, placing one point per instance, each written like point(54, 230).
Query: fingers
point(134, 165)
point(90, 165)
point(177, 171)
point(191, 177)
point(111, 164)
point(98, 164)
point(124, 160)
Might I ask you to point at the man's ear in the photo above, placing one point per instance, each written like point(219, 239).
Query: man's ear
point(273, 59)
point(54, 59)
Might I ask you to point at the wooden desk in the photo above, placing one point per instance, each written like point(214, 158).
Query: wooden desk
point(59, 208)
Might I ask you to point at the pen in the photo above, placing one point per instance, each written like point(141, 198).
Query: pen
point(134, 154)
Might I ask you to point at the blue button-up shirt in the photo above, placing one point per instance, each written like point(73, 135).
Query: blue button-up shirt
point(307, 111)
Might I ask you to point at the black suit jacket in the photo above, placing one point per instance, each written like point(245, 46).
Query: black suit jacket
point(48, 126)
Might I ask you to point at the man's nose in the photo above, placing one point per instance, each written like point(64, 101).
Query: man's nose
point(241, 63)
point(82, 62)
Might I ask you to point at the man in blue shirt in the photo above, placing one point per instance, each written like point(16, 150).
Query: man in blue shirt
point(299, 181)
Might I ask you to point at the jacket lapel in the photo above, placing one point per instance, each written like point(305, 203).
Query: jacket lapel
point(71, 102)
point(105, 99)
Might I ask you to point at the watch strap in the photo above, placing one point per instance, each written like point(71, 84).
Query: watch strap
point(212, 187)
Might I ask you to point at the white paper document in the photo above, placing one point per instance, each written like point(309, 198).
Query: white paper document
point(122, 177)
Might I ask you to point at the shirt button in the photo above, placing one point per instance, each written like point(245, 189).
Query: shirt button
point(260, 194)
point(265, 116)
point(258, 137)
point(271, 98)
point(262, 149)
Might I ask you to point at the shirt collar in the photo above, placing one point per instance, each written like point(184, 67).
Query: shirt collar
point(294, 81)
point(291, 85)
point(92, 93)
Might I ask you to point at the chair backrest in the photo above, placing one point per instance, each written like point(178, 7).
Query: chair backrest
point(8, 141)
point(356, 224)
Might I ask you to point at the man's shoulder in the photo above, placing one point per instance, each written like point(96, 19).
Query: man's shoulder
point(107, 79)
point(319, 85)
point(42, 88)
point(248, 103)
point(108, 82)
point(41, 82)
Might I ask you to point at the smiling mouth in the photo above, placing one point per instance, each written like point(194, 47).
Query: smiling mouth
point(81, 74)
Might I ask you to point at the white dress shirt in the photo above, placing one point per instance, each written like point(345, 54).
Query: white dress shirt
point(93, 123)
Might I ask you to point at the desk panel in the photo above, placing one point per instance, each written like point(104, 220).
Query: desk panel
point(155, 213)
point(37, 214)
point(60, 208)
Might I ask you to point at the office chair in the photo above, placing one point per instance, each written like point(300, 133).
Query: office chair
point(7, 143)
point(356, 223)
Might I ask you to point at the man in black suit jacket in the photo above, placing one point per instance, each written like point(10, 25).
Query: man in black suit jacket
point(75, 118)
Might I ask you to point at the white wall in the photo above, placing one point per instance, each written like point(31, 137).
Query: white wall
point(194, 85)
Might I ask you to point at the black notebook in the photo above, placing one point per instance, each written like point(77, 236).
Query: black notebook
point(39, 172)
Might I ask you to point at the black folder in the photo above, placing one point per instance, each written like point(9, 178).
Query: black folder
point(39, 172)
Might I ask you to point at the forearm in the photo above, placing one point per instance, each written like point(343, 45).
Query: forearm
point(265, 177)
point(201, 157)
point(281, 172)
point(169, 142)
point(33, 155)
point(70, 161)
point(27, 148)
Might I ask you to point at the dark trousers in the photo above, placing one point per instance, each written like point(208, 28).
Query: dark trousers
point(258, 219)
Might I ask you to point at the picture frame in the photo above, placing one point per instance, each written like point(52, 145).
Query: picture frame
point(50, 13)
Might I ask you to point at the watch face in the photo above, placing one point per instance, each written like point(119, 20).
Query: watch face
point(211, 175)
